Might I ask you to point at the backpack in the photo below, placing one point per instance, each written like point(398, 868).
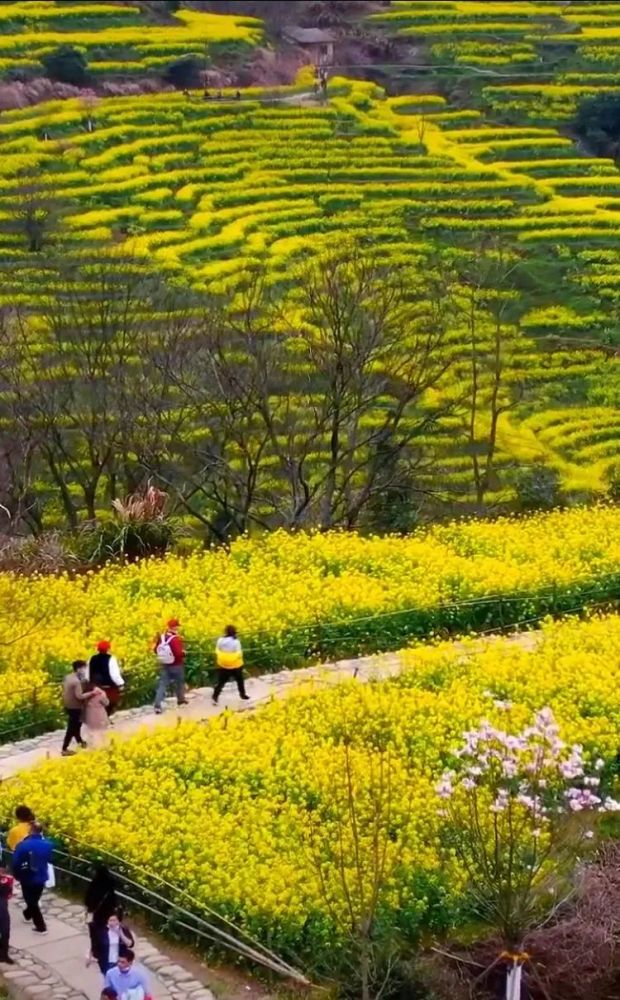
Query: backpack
point(28, 866)
point(164, 652)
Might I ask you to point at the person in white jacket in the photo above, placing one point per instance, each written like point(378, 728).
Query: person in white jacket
point(105, 673)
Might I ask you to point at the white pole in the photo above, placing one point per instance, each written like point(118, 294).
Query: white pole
point(513, 982)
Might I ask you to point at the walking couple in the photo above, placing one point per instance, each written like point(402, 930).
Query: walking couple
point(91, 692)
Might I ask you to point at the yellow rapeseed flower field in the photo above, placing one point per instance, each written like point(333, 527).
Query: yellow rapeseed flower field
point(294, 596)
point(241, 813)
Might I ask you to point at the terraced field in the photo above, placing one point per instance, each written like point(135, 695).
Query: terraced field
point(209, 189)
point(545, 54)
point(116, 39)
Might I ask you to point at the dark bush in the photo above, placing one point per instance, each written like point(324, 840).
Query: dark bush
point(128, 542)
point(538, 488)
point(66, 64)
point(597, 122)
point(613, 483)
point(184, 73)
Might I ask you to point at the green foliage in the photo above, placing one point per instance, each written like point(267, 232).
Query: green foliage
point(67, 64)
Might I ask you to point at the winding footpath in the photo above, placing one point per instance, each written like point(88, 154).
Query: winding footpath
point(54, 966)
point(20, 756)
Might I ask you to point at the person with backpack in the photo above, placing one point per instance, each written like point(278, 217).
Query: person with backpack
point(171, 658)
point(229, 659)
point(31, 863)
point(104, 672)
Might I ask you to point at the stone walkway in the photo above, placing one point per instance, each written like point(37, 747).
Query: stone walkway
point(53, 965)
point(15, 757)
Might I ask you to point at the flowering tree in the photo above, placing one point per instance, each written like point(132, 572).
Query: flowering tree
point(520, 810)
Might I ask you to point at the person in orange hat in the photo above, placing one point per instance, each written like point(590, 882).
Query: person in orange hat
point(105, 673)
point(170, 654)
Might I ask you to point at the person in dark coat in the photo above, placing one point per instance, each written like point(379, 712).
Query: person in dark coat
point(6, 891)
point(104, 672)
point(31, 862)
point(111, 943)
point(101, 901)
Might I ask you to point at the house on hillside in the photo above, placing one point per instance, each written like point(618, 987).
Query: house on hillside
point(319, 44)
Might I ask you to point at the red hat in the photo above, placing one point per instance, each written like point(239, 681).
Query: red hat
point(103, 646)
point(173, 623)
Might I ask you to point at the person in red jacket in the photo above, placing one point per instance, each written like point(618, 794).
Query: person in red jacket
point(171, 658)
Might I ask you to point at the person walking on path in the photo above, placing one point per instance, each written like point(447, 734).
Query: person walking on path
point(25, 819)
point(6, 891)
point(125, 976)
point(96, 718)
point(229, 658)
point(105, 673)
point(31, 862)
point(170, 655)
point(111, 942)
point(100, 901)
point(74, 698)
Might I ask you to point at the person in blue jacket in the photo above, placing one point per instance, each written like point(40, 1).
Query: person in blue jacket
point(30, 867)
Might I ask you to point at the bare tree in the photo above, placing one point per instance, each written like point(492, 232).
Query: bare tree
point(80, 363)
point(486, 291)
point(294, 406)
point(371, 347)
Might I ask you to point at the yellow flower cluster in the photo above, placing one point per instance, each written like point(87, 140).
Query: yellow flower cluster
point(29, 31)
point(244, 812)
point(287, 592)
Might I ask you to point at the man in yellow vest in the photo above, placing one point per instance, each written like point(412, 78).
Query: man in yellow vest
point(229, 658)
